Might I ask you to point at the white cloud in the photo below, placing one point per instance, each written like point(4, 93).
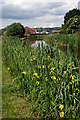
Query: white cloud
point(33, 13)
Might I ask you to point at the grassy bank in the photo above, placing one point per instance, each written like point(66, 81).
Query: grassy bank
point(13, 104)
point(71, 40)
point(49, 79)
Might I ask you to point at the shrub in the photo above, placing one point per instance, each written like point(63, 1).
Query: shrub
point(15, 29)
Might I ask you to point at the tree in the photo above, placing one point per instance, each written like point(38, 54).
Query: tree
point(72, 25)
point(15, 29)
point(70, 14)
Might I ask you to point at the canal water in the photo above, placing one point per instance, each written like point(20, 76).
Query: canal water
point(35, 43)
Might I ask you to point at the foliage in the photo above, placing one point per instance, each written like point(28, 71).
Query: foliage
point(15, 29)
point(48, 78)
point(71, 40)
point(71, 14)
point(72, 25)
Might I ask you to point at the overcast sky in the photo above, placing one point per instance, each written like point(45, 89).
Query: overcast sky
point(44, 13)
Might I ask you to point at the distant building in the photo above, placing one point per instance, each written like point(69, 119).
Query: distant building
point(29, 30)
point(79, 5)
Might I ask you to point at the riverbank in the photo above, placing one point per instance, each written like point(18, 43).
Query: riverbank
point(13, 104)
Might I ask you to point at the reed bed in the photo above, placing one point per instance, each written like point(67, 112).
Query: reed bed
point(47, 77)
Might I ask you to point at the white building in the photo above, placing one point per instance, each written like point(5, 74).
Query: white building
point(79, 5)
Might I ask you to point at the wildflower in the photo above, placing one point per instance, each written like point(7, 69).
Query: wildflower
point(77, 89)
point(70, 76)
point(69, 65)
point(53, 77)
point(8, 69)
point(37, 82)
point(76, 80)
point(60, 63)
point(31, 59)
point(43, 66)
point(61, 106)
point(24, 73)
point(35, 74)
point(72, 65)
point(48, 56)
point(61, 114)
point(39, 67)
point(52, 68)
point(34, 58)
point(59, 78)
point(73, 81)
point(64, 72)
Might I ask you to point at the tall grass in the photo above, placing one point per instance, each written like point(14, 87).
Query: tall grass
point(48, 78)
point(71, 40)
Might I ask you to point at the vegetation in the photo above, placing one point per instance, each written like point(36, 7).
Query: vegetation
point(48, 78)
point(71, 40)
point(71, 14)
point(72, 25)
point(15, 29)
point(71, 22)
point(13, 104)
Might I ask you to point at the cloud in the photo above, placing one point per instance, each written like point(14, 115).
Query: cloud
point(43, 13)
point(38, 9)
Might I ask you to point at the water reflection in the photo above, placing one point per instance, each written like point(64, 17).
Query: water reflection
point(76, 51)
point(35, 43)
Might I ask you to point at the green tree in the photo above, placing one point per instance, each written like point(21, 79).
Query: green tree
point(70, 14)
point(15, 29)
point(72, 25)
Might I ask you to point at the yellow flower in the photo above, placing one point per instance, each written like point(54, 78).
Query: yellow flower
point(48, 56)
point(34, 58)
point(73, 81)
point(76, 80)
point(35, 74)
point(61, 114)
point(77, 89)
point(59, 78)
point(39, 67)
point(72, 65)
point(31, 59)
point(64, 72)
point(72, 77)
point(52, 68)
point(69, 65)
point(61, 106)
point(53, 77)
point(24, 73)
point(43, 66)
point(60, 63)
point(37, 82)
point(8, 69)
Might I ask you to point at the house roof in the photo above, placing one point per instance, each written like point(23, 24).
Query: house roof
point(30, 29)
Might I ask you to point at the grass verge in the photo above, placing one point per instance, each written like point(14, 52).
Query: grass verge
point(13, 105)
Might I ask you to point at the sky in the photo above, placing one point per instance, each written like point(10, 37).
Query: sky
point(35, 13)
